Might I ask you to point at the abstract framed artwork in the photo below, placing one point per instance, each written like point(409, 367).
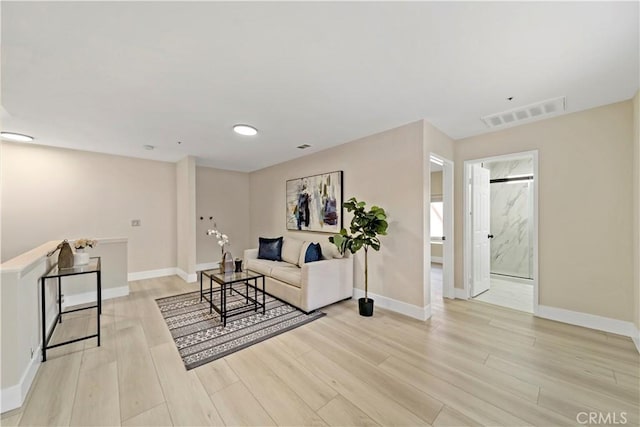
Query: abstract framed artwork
point(314, 203)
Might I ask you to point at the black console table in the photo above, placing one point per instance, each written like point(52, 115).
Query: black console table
point(56, 273)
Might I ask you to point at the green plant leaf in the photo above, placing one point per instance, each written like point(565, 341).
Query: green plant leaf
point(365, 227)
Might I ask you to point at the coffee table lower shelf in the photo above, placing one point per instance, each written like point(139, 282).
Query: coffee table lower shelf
point(225, 282)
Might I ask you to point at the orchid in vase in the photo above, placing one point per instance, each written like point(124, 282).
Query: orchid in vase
point(226, 263)
point(223, 239)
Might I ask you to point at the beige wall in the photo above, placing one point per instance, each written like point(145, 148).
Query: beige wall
point(52, 194)
point(223, 195)
point(585, 208)
point(385, 169)
point(636, 208)
point(186, 214)
point(436, 183)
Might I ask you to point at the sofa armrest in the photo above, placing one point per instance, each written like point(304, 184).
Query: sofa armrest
point(250, 254)
point(325, 282)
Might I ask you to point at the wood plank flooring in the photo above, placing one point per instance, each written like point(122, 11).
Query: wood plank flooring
point(470, 364)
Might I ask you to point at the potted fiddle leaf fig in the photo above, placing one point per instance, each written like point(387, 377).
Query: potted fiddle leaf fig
point(365, 228)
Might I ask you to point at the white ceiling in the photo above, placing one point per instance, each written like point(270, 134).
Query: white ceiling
point(114, 76)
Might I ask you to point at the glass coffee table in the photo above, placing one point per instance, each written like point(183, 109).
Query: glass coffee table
point(226, 281)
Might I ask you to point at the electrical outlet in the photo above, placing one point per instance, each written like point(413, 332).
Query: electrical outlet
point(135, 223)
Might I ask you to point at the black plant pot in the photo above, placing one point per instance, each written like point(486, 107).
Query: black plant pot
point(366, 306)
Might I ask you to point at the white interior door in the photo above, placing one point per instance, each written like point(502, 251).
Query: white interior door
point(480, 212)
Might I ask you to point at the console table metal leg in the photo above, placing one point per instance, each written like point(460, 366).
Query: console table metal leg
point(201, 286)
point(99, 294)
point(44, 322)
point(99, 305)
point(59, 299)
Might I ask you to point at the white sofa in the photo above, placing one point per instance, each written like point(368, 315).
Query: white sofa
point(307, 286)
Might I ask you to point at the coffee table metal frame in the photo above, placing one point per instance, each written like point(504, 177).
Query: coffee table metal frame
point(226, 282)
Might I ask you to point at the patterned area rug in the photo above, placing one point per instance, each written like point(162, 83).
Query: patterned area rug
point(200, 337)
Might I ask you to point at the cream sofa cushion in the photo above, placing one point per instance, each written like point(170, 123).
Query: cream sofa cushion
point(291, 250)
point(291, 274)
point(262, 266)
point(329, 250)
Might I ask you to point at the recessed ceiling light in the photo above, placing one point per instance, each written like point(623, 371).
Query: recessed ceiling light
point(245, 130)
point(18, 137)
point(148, 147)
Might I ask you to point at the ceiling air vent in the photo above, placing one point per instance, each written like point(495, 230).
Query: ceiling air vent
point(303, 146)
point(539, 110)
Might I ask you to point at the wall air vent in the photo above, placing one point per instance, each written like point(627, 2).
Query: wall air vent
point(303, 146)
point(528, 113)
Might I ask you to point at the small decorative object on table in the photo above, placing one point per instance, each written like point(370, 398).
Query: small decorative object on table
point(238, 262)
point(226, 262)
point(81, 257)
point(65, 259)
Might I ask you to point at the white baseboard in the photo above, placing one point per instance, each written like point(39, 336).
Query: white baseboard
point(151, 274)
point(189, 278)
point(591, 321)
point(86, 297)
point(460, 293)
point(13, 397)
point(420, 313)
point(436, 259)
point(172, 271)
point(207, 266)
point(636, 337)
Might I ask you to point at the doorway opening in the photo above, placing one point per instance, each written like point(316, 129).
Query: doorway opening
point(501, 230)
point(441, 228)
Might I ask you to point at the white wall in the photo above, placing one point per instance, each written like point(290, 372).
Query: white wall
point(185, 219)
point(52, 194)
point(223, 195)
point(636, 214)
point(436, 142)
point(585, 206)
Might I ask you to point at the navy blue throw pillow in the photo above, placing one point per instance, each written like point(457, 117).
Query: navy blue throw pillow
point(314, 253)
point(270, 249)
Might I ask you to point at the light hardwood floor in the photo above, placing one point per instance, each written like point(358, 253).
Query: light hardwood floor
point(470, 364)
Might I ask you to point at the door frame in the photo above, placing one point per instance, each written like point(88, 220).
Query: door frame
point(467, 226)
point(481, 265)
point(448, 212)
